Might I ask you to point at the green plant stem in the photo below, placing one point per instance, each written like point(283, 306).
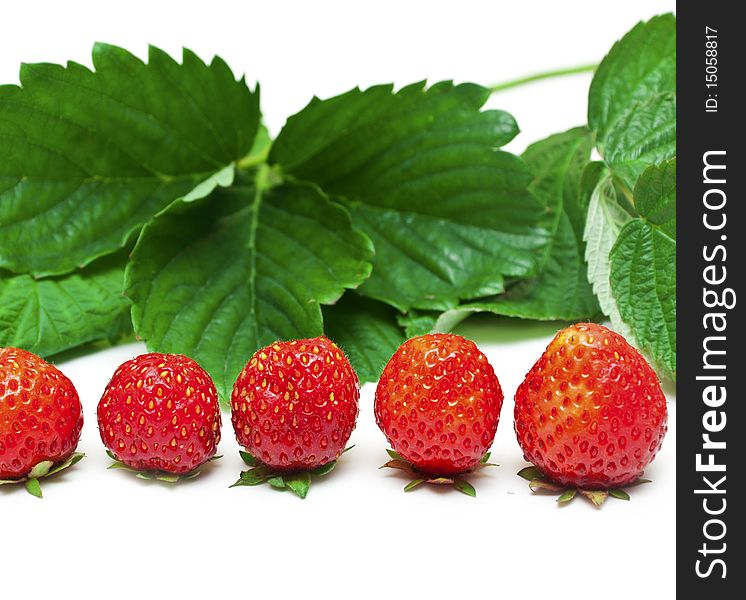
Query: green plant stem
point(498, 87)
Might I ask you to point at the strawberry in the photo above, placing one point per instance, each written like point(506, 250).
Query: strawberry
point(438, 403)
point(293, 408)
point(590, 414)
point(159, 416)
point(40, 419)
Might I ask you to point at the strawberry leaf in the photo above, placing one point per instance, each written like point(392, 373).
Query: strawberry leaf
point(47, 316)
point(87, 157)
point(632, 99)
point(643, 267)
point(604, 221)
point(561, 290)
point(366, 330)
point(450, 216)
point(281, 251)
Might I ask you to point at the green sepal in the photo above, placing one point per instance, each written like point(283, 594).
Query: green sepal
point(40, 470)
point(149, 475)
point(465, 487)
point(413, 484)
point(74, 459)
point(45, 468)
point(530, 473)
point(542, 485)
point(597, 497)
point(324, 469)
point(619, 494)
point(567, 495)
point(276, 482)
point(297, 482)
point(33, 487)
point(249, 459)
point(397, 463)
point(538, 482)
point(485, 460)
point(393, 454)
point(419, 477)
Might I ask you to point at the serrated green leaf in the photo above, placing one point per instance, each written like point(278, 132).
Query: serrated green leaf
point(111, 148)
point(485, 459)
point(169, 478)
point(281, 253)
point(655, 197)
point(366, 330)
point(643, 267)
point(47, 316)
point(298, 483)
point(561, 290)
point(632, 99)
point(619, 494)
point(449, 214)
point(465, 487)
point(33, 487)
point(604, 222)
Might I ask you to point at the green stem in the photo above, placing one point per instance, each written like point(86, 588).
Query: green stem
point(538, 76)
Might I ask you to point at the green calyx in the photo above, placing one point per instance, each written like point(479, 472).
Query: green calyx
point(297, 482)
point(163, 476)
point(46, 468)
point(419, 477)
point(538, 482)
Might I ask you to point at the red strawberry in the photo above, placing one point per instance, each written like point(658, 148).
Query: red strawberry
point(438, 403)
point(293, 408)
point(160, 413)
point(590, 414)
point(40, 419)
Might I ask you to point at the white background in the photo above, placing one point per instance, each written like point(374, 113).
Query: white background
point(106, 534)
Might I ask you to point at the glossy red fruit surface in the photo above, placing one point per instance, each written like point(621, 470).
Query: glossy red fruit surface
point(40, 413)
point(590, 413)
point(160, 412)
point(295, 404)
point(438, 403)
